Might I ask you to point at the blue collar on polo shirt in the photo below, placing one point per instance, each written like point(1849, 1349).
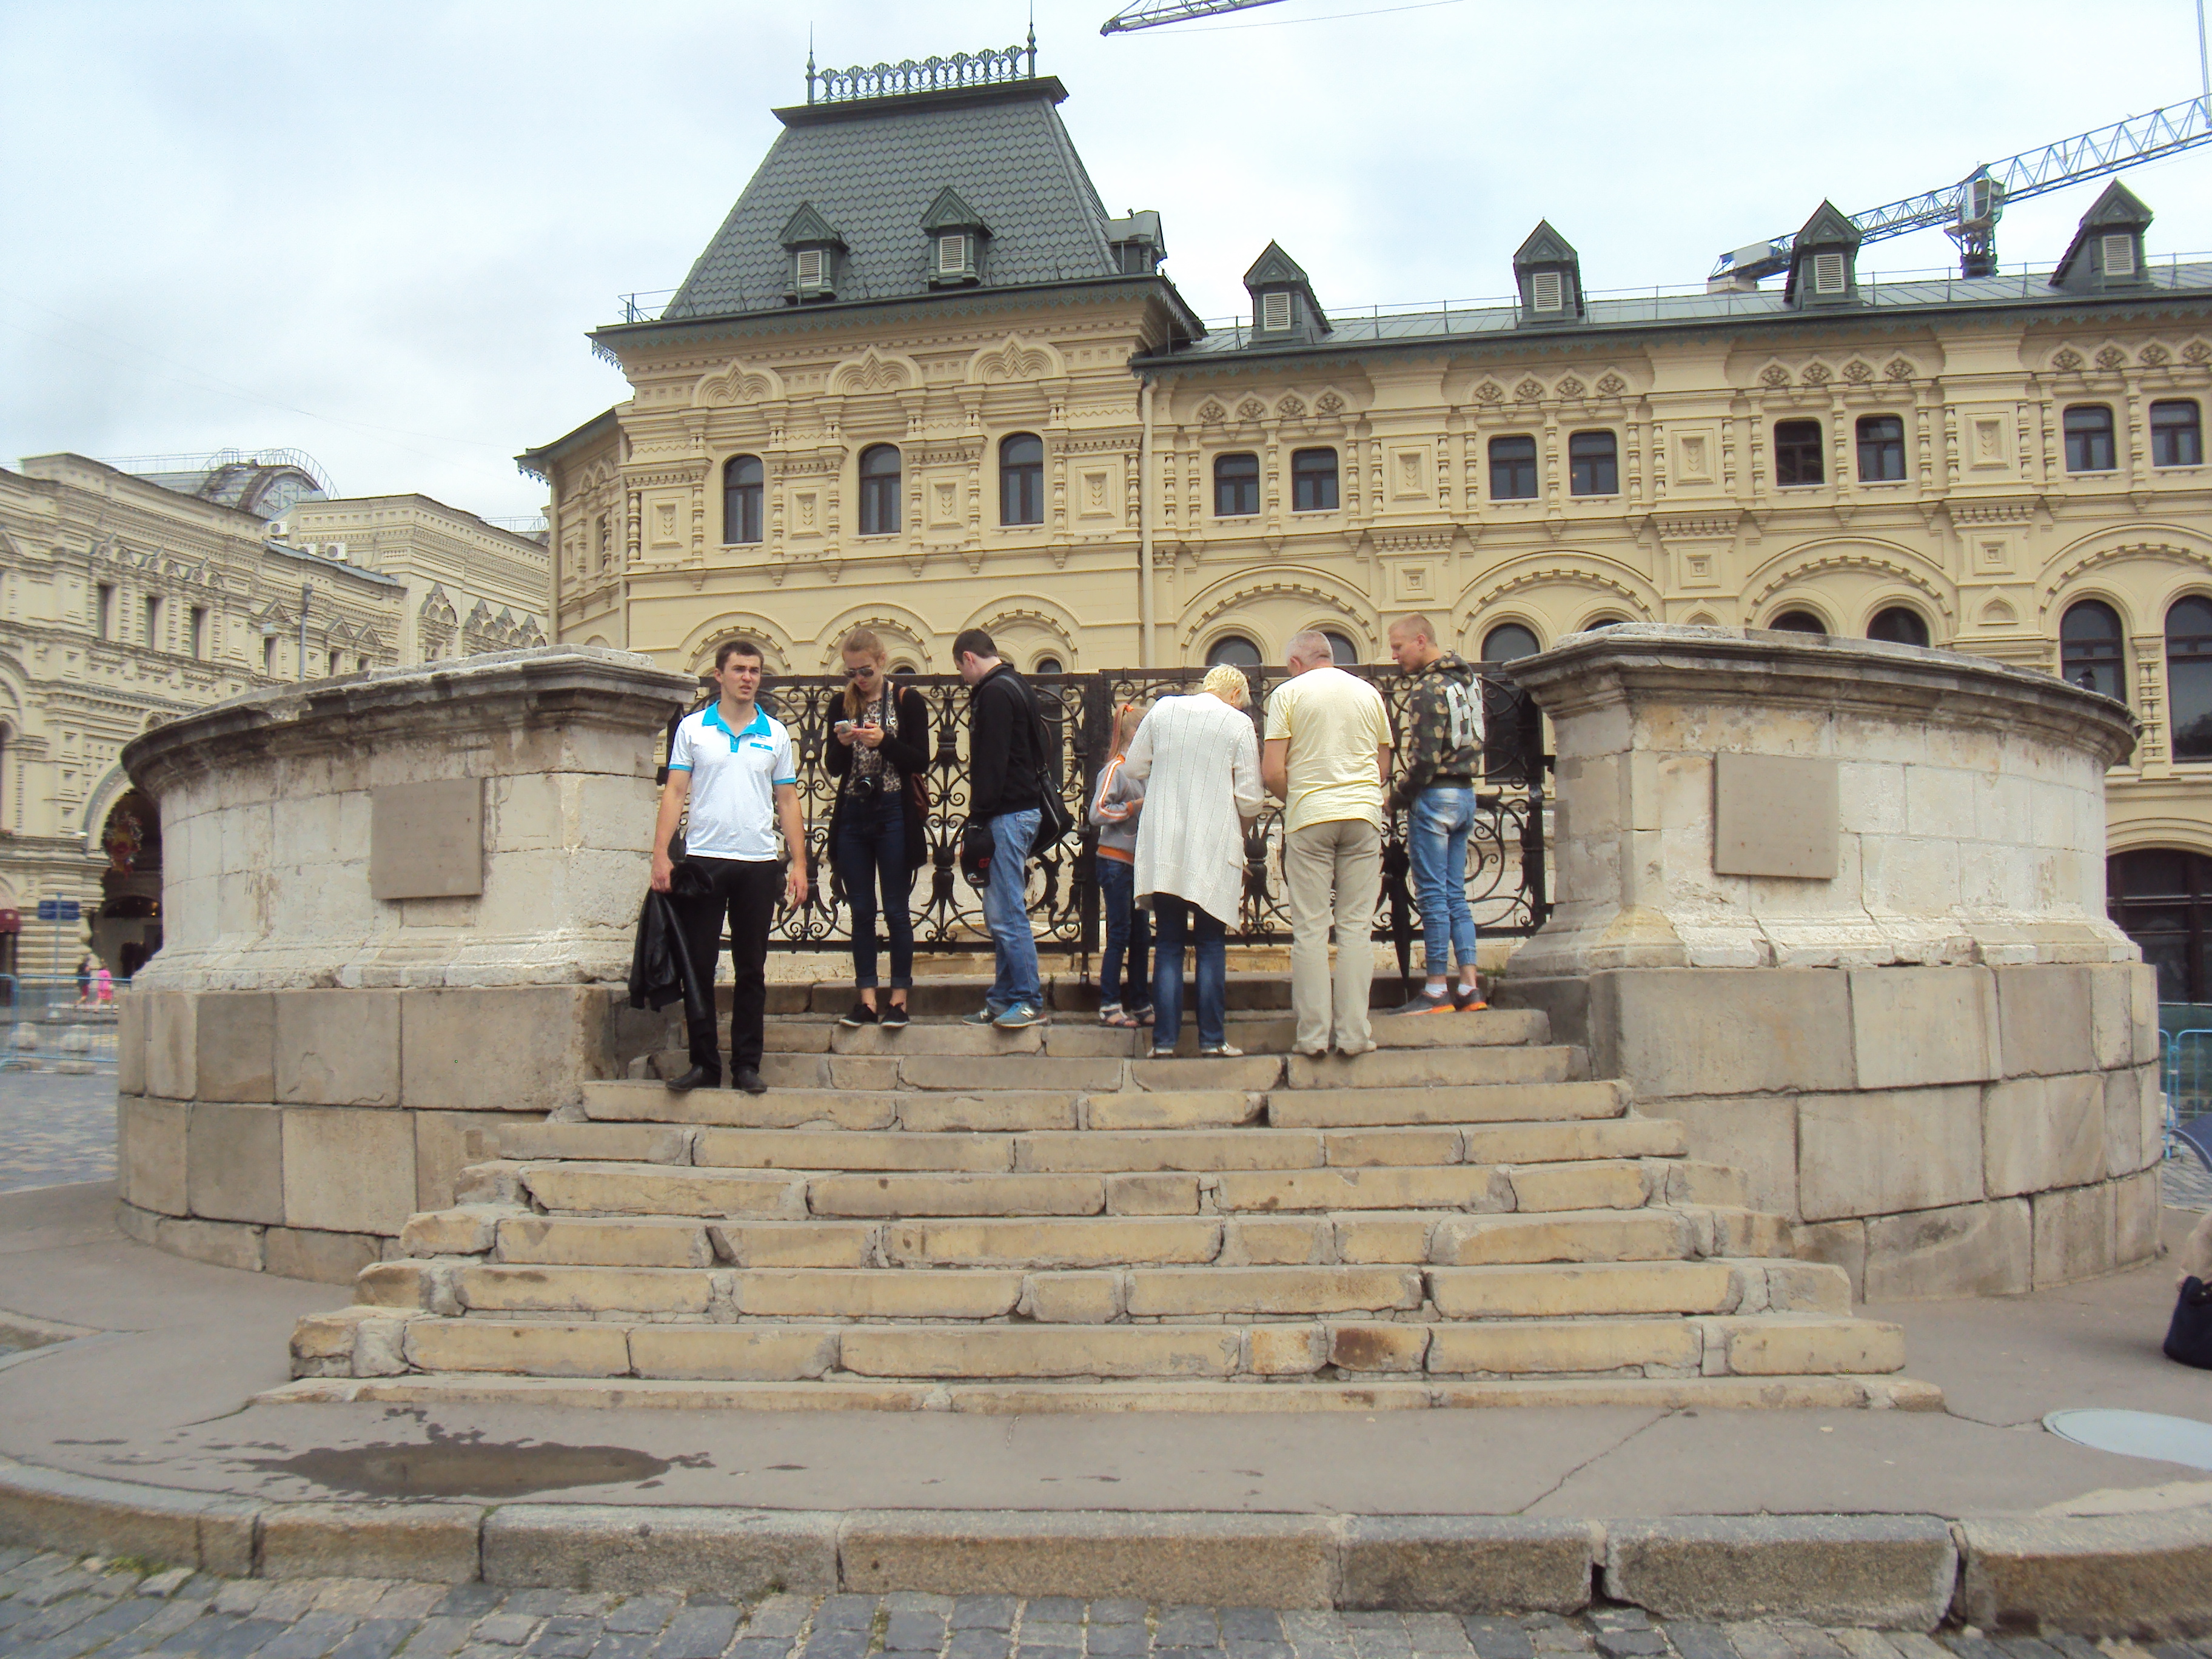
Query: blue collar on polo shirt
point(757, 726)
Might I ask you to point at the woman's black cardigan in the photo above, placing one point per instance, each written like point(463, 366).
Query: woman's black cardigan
point(907, 748)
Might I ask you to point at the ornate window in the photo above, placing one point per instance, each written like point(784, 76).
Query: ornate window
point(2089, 649)
point(1800, 453)
point(2189, 677)
point(1513, 468)
point(1593, 467)
point(2161, 897)
point(1341, 651)
point(881, 512)
point(741, 499)
point(1882, 449)
point(1021, 479)
point(2089, 438)
point(1798, 621)
point(1234, 649)
point(1899, 624)
point(1509, 641)
point(2177, 433)
point(1236, 486)
point(1313, 481)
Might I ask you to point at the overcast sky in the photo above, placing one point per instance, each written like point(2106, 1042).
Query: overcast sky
point(379, 231)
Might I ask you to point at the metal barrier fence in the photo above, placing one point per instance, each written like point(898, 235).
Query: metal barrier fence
point(58, 1023)
point(1506, 878)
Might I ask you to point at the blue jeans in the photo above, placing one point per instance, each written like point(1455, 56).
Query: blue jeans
point(1436, 842)
point(1174, 918)
point(1006, 913)
point(1128, 930)
point(871, 849)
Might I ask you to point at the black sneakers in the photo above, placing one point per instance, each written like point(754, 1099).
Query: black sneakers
point(893, 1018)
point(861, 1015)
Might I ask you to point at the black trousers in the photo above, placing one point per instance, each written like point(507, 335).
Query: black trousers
point(746, 892)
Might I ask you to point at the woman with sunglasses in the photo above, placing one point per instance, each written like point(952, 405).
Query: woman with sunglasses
point(877, 827)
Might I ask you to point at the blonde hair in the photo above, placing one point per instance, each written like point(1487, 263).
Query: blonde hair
point(864, 640)
point(1127, 719)
point(1227, 681)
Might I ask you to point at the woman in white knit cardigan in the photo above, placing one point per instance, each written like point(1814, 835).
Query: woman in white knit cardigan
point(1201, 762)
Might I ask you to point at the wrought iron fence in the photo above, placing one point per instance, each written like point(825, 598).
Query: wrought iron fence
point(1505, 877)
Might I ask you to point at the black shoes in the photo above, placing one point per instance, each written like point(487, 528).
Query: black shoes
point(893, 1018)
point(748, 1079)
point(861, 1015)
point(699, 1076)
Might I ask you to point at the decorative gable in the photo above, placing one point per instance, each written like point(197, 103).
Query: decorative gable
point(815, 251)
point(2108, 249)
point(957, 233)
point(1824, 261)
point(1284, 309)
point(1548, 274)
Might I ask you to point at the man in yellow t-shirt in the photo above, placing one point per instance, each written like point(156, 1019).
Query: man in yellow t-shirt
point(1327, 755)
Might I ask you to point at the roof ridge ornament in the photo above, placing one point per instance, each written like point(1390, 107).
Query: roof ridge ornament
point(986, 68)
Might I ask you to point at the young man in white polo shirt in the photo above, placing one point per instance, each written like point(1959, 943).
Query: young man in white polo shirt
point(733, 766)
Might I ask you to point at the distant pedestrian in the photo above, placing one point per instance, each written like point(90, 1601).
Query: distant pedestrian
point(1327, 755)
point(1125, 999)
point(1200, 763)
point(1006, 780)
point(83, 979)
point(103, 987)
point(1442, 756)
point(732, 766)
point(878, 829)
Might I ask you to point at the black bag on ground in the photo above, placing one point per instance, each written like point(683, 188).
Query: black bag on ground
point(2189, 1339)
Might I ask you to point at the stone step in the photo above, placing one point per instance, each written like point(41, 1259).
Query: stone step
point(1430, 1068)
point(1364, 1393)
point(1254, 1032)
point(792, 1351)
point(1497, 1103)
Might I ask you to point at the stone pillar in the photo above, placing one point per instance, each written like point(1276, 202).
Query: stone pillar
point(1840, 906)
point(394, 904)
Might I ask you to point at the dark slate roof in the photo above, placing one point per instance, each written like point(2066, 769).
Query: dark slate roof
point(873, 169)
point(1641, 314)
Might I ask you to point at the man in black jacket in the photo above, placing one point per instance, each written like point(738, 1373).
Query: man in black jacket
point(1005, 798)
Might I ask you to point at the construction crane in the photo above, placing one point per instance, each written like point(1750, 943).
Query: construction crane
point(1969, 210)
point(1157, 13)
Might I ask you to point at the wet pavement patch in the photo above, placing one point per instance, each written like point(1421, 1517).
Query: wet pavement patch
point(461, 1468)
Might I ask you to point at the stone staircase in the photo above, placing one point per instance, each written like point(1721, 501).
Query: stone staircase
point(954, 1218)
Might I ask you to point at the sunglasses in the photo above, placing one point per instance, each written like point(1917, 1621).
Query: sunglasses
point(868, 673)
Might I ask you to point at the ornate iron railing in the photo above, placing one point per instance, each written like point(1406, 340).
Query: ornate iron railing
point(991, 66)
point(1506, 878)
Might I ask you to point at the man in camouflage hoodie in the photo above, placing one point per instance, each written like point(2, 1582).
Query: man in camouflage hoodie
point(1442, 757)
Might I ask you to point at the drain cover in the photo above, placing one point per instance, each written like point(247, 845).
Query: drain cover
point(2137, 1434)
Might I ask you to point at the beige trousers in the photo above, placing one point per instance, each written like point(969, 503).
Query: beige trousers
point(1334, 874)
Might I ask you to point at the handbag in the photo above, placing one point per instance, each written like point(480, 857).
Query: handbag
point(2189, 1338)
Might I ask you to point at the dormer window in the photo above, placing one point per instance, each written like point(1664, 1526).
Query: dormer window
point(2120, 255)
point(1275, 310)
point(2108, 249)
point(1547, 276)
point(1831, 273)
point(955, 232)
point(952, 256)
point(813, 268)
point(1283, 307)
point(1547, 293)
point(1823, 258)
point(814, 247)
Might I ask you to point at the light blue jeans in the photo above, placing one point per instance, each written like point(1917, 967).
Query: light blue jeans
point(1006, 912)
point(1436, 831)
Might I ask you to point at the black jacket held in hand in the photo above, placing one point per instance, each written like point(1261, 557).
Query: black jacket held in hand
point(661, 969)
point(1002, 757)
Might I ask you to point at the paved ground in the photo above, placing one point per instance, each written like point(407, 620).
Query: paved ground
point(54, 1608)
point(55, 1130)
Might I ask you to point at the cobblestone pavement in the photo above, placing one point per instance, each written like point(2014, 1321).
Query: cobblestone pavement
point(52, 1607)
point(56, 1129)
point(2184, 1184)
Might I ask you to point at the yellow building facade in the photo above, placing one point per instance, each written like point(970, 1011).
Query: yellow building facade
point(872, 406)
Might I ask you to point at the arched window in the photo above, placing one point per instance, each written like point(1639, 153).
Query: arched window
point(1234, 649)
point(2089, 438)
point(741, 499)
point(1508, 641)
point(2161, 898)
point(1798, 621)
point(1513, 468)
point(1021, 479)
point(1235, 486)
point(881, 514)
point(1882, 449)
point(2089, 649)
point(1313, 481)
point(1048, 664)
point(1341, 651)
point(1899, 624)
point(2189, 677)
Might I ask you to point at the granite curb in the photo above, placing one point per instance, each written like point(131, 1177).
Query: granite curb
point(2142, 1576)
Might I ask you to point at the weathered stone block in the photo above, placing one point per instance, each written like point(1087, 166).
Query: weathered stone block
point(1072, 1298)
point(149, 1153)
point(428, 1543)
point(2140, 1575)
point(548, 1037)
point(1774, 1345)
point(1571, 1292)
point(1879, 1151)
point(446, 1144)
point(1625, 1236)
point(1518, 1347)
point(2135, 1203)
point(533, 1350)
point(1694, 1032)
point(571, 1241)
point(2111, 1012)
point(1913, 1027)
point(171, 1044)
point(235, 1033)
point(1388, 1346)
point(1189, 1292)
point(131, 1043)
point(470, 1231)
point(504, 1287)
point(1043, 1243)
point(2045, 1014)
point(1151, 1195)
point(1038, 1350)
point(348, 1170)
point(656, 1189)
point(609, 1548)
point(1805, 1287)
point(1968, 1250)
point(337, 1047)
point(2075, 1234)
point(740, 1353)
point(1756, 1134)
point(1278, 1243)
point(1465, 1564)
point(1587, 1186)
point(1892, 1572)
point(789, 1244)
point(2042, 1132)
point(234, 1162)
point(219, 1243)
point(1451, 1189)
point(883, 1293)
point(1286, 1349)
point(324, 1258)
